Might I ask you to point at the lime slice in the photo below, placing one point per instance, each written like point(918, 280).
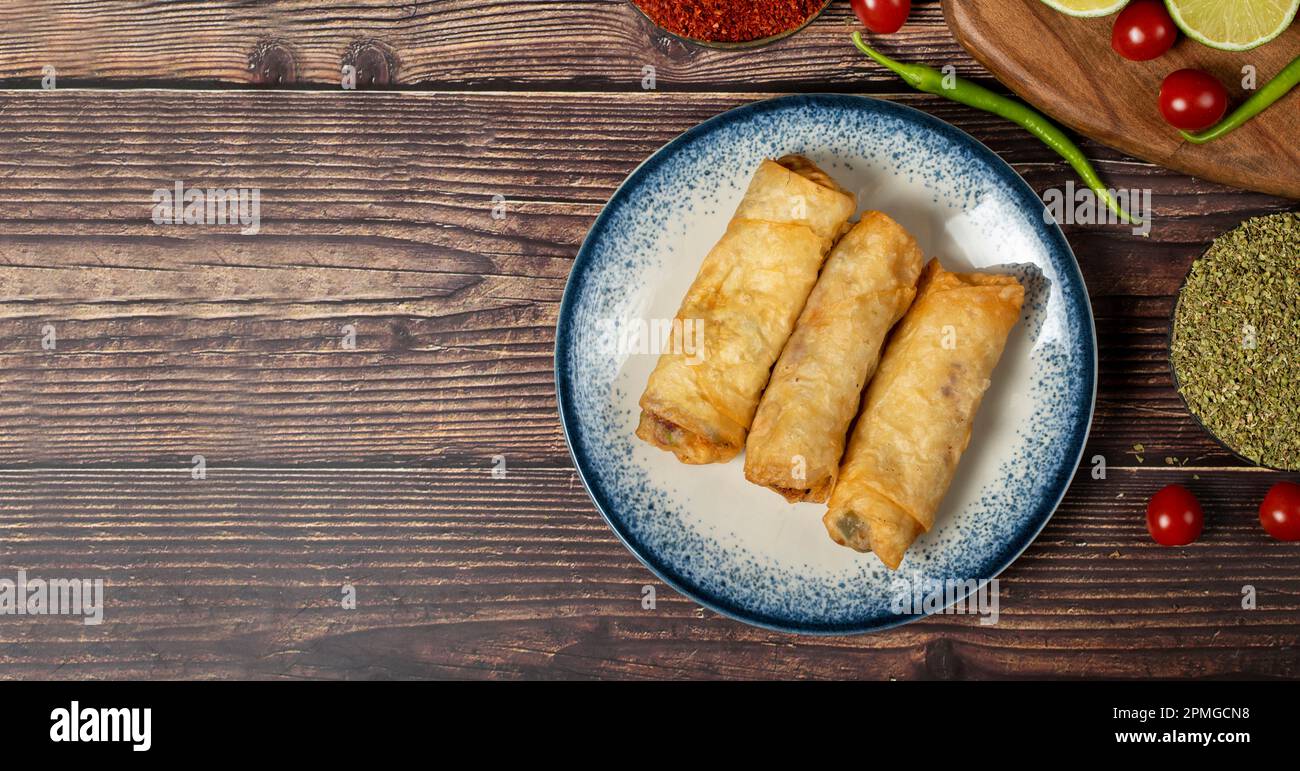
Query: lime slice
point(1235, 25)
point(1087, 7)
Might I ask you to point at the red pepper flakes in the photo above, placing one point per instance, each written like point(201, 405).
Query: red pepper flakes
point(729, 21)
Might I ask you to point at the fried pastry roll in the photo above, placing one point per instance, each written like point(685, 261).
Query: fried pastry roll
point(745, 299)
point(802, 423)
point(917, 413)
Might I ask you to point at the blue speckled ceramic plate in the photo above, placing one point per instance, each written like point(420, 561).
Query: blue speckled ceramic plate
point(738, 548)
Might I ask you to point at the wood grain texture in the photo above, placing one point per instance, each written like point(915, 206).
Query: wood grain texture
point(444, 44)
point(460, 575)
point(370, 466)
point(174, 341)
point(1071, 73)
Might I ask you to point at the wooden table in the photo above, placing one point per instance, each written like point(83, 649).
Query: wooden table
point(371, 466)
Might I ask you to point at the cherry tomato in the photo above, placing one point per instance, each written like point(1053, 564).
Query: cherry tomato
point(1143, 31)
point(1174, 516)
point(1280, 511)
point(882, 16)
point(1192, 100)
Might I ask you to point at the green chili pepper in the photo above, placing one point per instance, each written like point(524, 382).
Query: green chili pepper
point(931, 81)
point(1262, 99)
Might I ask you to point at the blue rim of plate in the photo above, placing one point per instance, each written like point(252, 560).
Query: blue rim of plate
point(1059, 248)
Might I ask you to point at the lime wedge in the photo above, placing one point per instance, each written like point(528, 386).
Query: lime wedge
point(1232, 25)
point(1087, 7)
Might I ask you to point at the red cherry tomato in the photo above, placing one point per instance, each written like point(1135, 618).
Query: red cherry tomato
point(1143, 31)
point(882, 16)
point(1192, 100)
point(1174, 516)
point(1280, 511)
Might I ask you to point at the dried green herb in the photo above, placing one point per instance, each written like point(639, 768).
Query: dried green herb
point(1236, 340)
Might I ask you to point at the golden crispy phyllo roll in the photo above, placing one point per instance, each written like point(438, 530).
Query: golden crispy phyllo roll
point(802, 422)
point(917, 413)
point(744, 302)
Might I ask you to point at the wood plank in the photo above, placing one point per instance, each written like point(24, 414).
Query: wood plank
point(461, 575)
point(568, 44)
point(175, 341)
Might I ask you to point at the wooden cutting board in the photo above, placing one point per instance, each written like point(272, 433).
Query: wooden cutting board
point(1066, 68)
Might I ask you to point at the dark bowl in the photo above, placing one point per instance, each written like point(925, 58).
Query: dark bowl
point(732, 46)
point(1173, 374)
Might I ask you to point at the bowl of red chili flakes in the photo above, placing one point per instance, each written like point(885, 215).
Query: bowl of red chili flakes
point(730, 24)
